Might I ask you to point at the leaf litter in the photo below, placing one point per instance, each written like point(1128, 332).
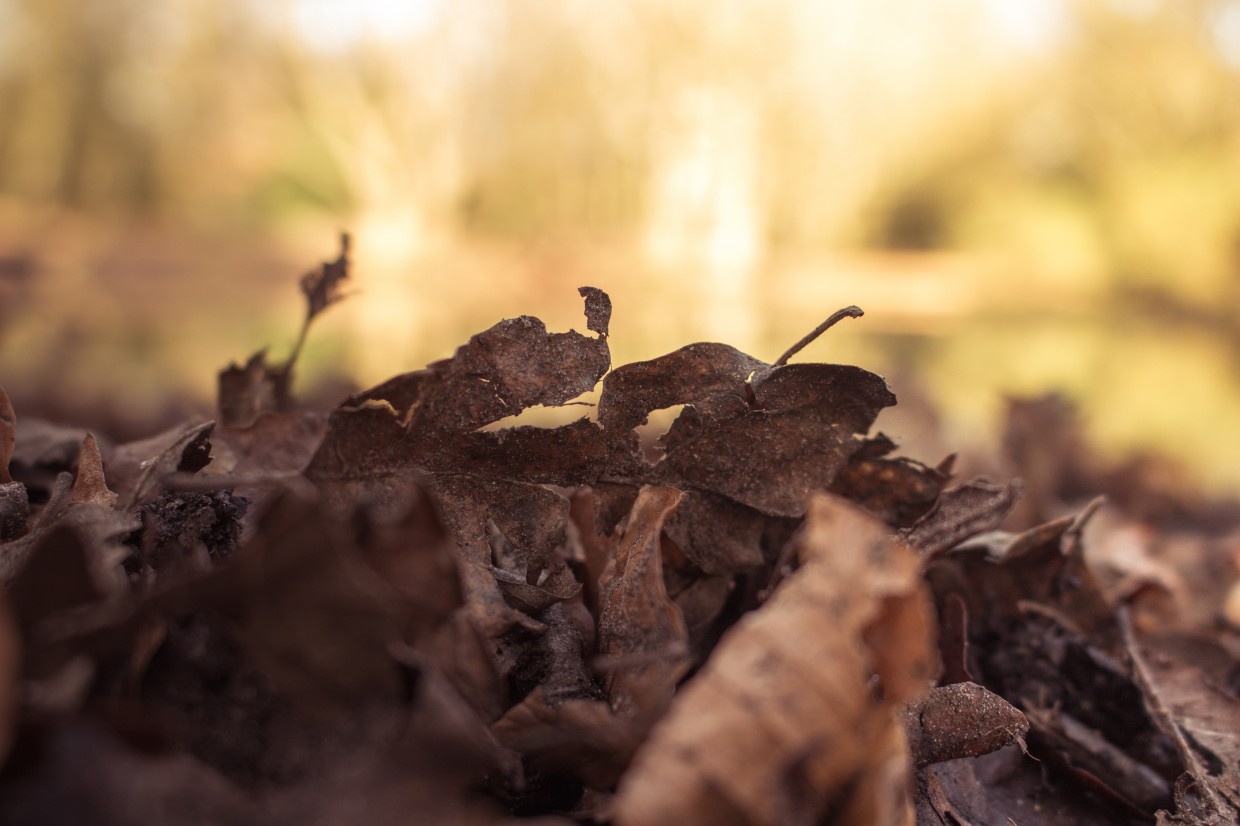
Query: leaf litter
point(400, 612)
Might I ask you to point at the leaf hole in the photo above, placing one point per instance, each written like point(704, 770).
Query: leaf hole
point(651, 434)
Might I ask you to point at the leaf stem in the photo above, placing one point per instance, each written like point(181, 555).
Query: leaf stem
point(839, 315)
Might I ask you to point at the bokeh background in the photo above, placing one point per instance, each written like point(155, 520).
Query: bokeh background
point(1023, 195)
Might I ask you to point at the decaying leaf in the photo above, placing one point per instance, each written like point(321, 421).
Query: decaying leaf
point(781, 724)
point(137, 470)
point(960, 720)
point(637, 618)
point(1201, 719)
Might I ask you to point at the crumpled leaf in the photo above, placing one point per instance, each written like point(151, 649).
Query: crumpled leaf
point(962, 513)
point(137, 469)
point(898, 490)
point(762, 436)
point(425, 420)
point(322, 287)
point(1201, 719)
point(562, 725)
point(1043, 635)
point(514, 365)
point(781, 722)
point(8, 435)
point(694, 374)
point(637, 619)
point(44, 450)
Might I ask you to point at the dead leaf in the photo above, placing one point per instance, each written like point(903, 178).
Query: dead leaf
point(781, 722)
point(1201, 719)
point(138, 469)
point(962, 513)
point(960, 720)
point(90, 486)
point(636, 615)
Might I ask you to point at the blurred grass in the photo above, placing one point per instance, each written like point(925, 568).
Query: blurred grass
point(1024, 195)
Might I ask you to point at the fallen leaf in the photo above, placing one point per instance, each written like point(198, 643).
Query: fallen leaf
point(781, 723)
point(636, 615)
point(90, 486)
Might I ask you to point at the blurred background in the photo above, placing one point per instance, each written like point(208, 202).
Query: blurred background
point(1023, 195)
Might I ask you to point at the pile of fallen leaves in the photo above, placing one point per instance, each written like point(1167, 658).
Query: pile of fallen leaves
point(400, 612)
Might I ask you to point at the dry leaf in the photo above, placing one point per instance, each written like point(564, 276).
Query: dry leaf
point(782, 723)
point(90, 486)
point(636, 616)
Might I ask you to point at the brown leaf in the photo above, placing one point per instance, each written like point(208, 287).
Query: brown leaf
point(960, 720)
point(690, 375)
point(598, 309)
point(1201, 719)
point(583, 739)
point(962, 513)
point(44, 450)
point(137, 469)
point(717, 534)
point(514, 365)
point(781, 722)
point(636, 615)
point(90, 486)
point(8, 435)
point(322, 287)
point(245, 391)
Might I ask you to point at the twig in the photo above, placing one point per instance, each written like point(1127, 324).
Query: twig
point(836, 317)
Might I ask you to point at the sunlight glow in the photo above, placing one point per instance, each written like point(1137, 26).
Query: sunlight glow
point(336, 25)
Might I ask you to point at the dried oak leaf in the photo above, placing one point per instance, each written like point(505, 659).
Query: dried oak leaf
point(897, 490)
point(501, 371)
point(782, 724)
point(245, 391)
point(425, 420)
point(762, 436)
